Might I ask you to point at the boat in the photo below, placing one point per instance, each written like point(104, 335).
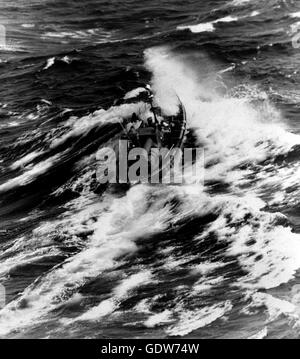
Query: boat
point(155, 131)
point(158, 130)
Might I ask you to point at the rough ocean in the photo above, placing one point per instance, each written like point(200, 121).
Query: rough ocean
point(80, 260)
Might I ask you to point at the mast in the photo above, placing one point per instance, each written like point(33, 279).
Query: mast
point(148, 87)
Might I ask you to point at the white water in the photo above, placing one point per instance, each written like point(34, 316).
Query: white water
point(233, 131)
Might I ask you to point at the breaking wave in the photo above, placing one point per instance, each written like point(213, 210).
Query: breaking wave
point(161, 255)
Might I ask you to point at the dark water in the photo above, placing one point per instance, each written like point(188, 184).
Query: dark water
point(82, 261)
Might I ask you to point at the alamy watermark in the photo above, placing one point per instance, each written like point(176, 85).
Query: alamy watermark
point(296, 36)
point(6, 44)
point(159, 165)
point(2, 37)
point(2, 296)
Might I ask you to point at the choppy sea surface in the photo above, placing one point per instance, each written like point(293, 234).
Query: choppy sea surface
point(79, 260)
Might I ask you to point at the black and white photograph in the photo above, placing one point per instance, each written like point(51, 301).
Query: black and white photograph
point(149, 174)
